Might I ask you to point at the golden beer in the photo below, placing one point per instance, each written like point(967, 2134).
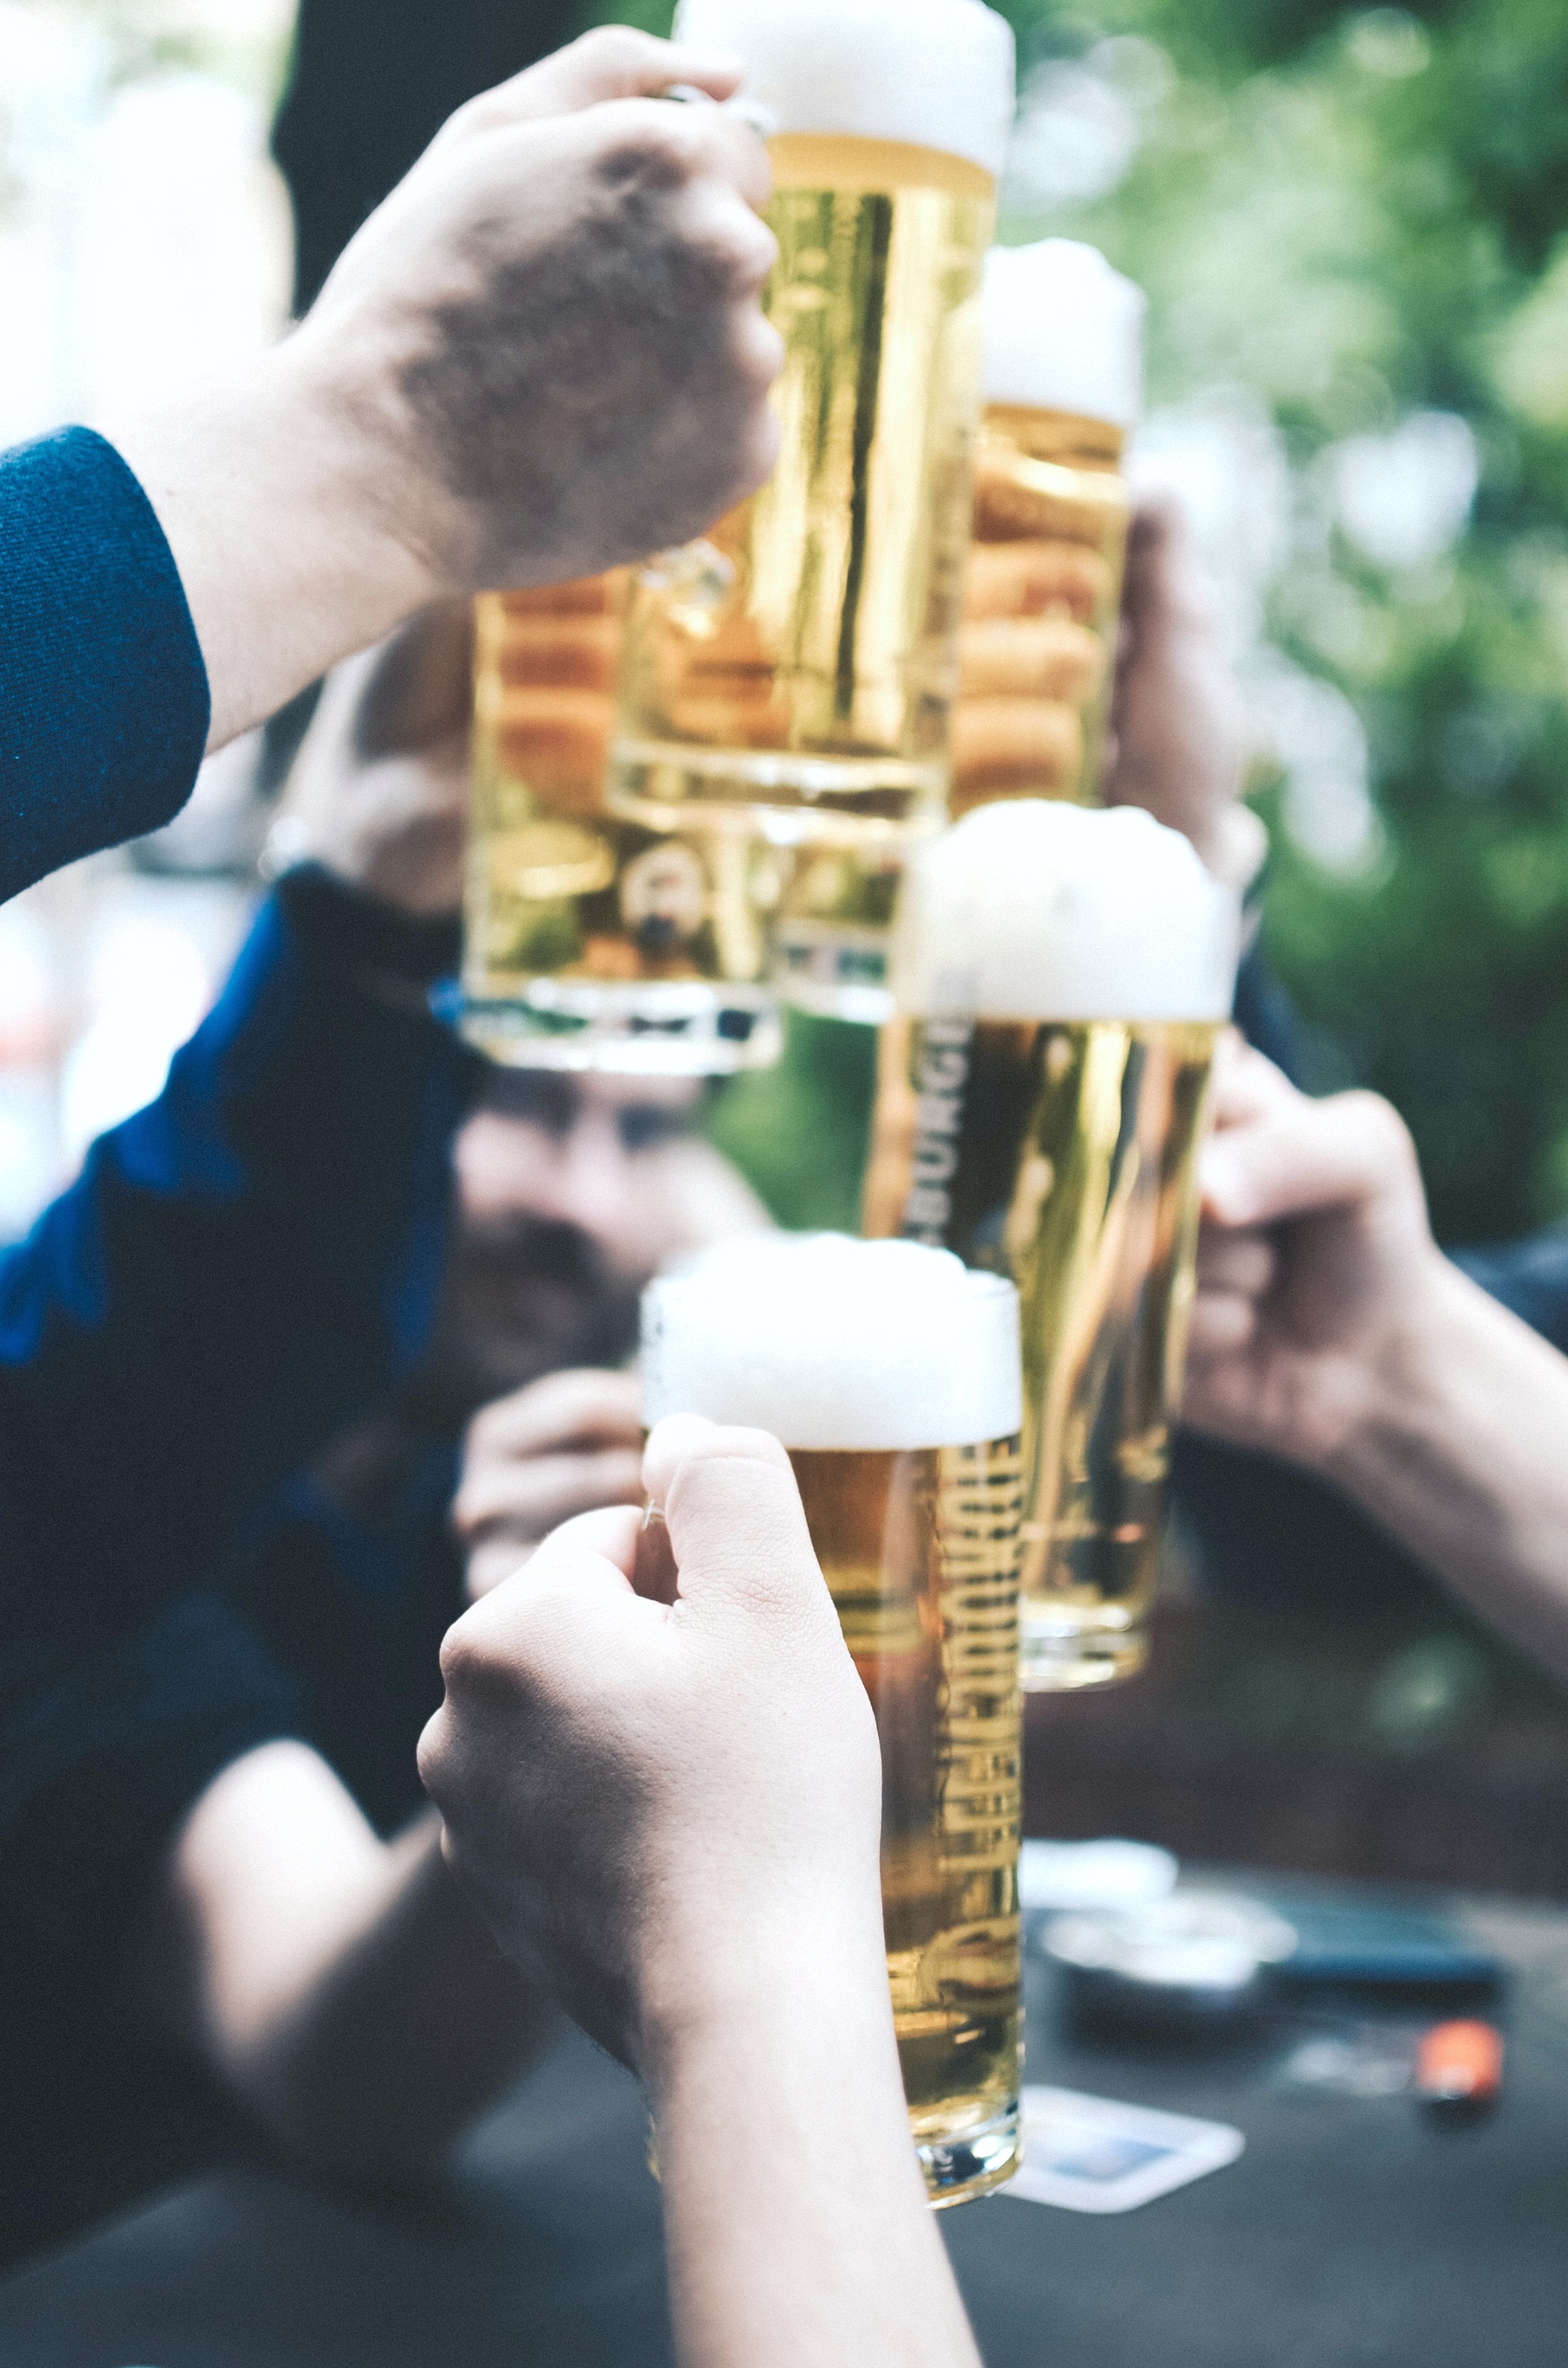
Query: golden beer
point(1064, 976)
point(1063, 382)
point(797, 665)
point(591, 942)
point(920, 1553)
point(1067, 1157)
point(919, 1545)
point(1037, 645)
point(802, 662)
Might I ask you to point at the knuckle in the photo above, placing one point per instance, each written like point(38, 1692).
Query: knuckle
point(479, 1440)
point(467, 1515)
point(613, 45)
point(647, 146)
point(434, 1754)
point(473, 1670)
point(1382, 1123)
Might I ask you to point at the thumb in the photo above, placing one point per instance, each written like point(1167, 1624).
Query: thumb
point(736, 1524)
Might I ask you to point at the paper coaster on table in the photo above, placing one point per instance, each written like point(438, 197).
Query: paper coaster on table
point(1089, 2153)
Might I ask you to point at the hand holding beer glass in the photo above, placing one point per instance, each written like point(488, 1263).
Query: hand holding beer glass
point(785, 682)
point(891, 1375)
point(1063, 977)
point(791, 675)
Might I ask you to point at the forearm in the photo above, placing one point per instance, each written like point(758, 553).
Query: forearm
point(408, 2024)
point(1462, 1454)
point(797, 2227)
point(271, 487)
point(342, 1986)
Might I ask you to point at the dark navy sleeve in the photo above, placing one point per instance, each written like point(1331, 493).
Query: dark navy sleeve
point(104, 707)
point(1530, 1277)
point(242, 1269)
point(106, 1751)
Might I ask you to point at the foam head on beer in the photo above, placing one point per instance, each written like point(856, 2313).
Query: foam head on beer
point(935, 74)
point(1033, 910)
point(1063, 331)
point(827, 1342)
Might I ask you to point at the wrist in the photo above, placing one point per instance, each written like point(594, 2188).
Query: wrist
point(336, 393)
point(1401, 1390)
point(751, 1983)
point(275, 492)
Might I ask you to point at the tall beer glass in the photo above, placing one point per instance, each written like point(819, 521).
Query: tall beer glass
point(892, 1376)
point(591, 942)
point(1063, 375)
point(797, 665)
point(1064, 976)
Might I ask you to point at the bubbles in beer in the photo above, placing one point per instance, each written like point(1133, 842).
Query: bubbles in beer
point(1034, 910)
point(937, 74)
point(834, 1343)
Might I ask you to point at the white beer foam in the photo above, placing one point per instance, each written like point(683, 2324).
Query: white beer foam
point(1063, 331)
point(1031, 909)
point(834, 1343)
point(938, 72)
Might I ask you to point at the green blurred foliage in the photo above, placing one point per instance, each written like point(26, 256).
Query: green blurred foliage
point(1356, 215)
point(801, 1131)
point(1352, 216)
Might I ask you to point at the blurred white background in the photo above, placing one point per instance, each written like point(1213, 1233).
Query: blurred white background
point(145, 241)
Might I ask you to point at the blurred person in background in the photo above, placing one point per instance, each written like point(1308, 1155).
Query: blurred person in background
point(570, 1192)
point(253, 1258)
point(334, 1214)
point(224, 1736)
point(543, 354)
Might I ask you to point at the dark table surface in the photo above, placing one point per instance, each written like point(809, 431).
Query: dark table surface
point(1350, 2232)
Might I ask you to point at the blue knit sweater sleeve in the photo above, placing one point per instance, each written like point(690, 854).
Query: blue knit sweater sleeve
point(103, 694)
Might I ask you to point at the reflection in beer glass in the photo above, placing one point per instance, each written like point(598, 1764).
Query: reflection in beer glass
point(891, 1377)
point(1041, 1104)
point(591, 942)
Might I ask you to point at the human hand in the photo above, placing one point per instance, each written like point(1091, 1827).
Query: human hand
point(1177, 742)
point(542, 355)
point(549, 331)
point(379, 791)
point(1315, 1264)
point(668, 1805)
point(568, 1444)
